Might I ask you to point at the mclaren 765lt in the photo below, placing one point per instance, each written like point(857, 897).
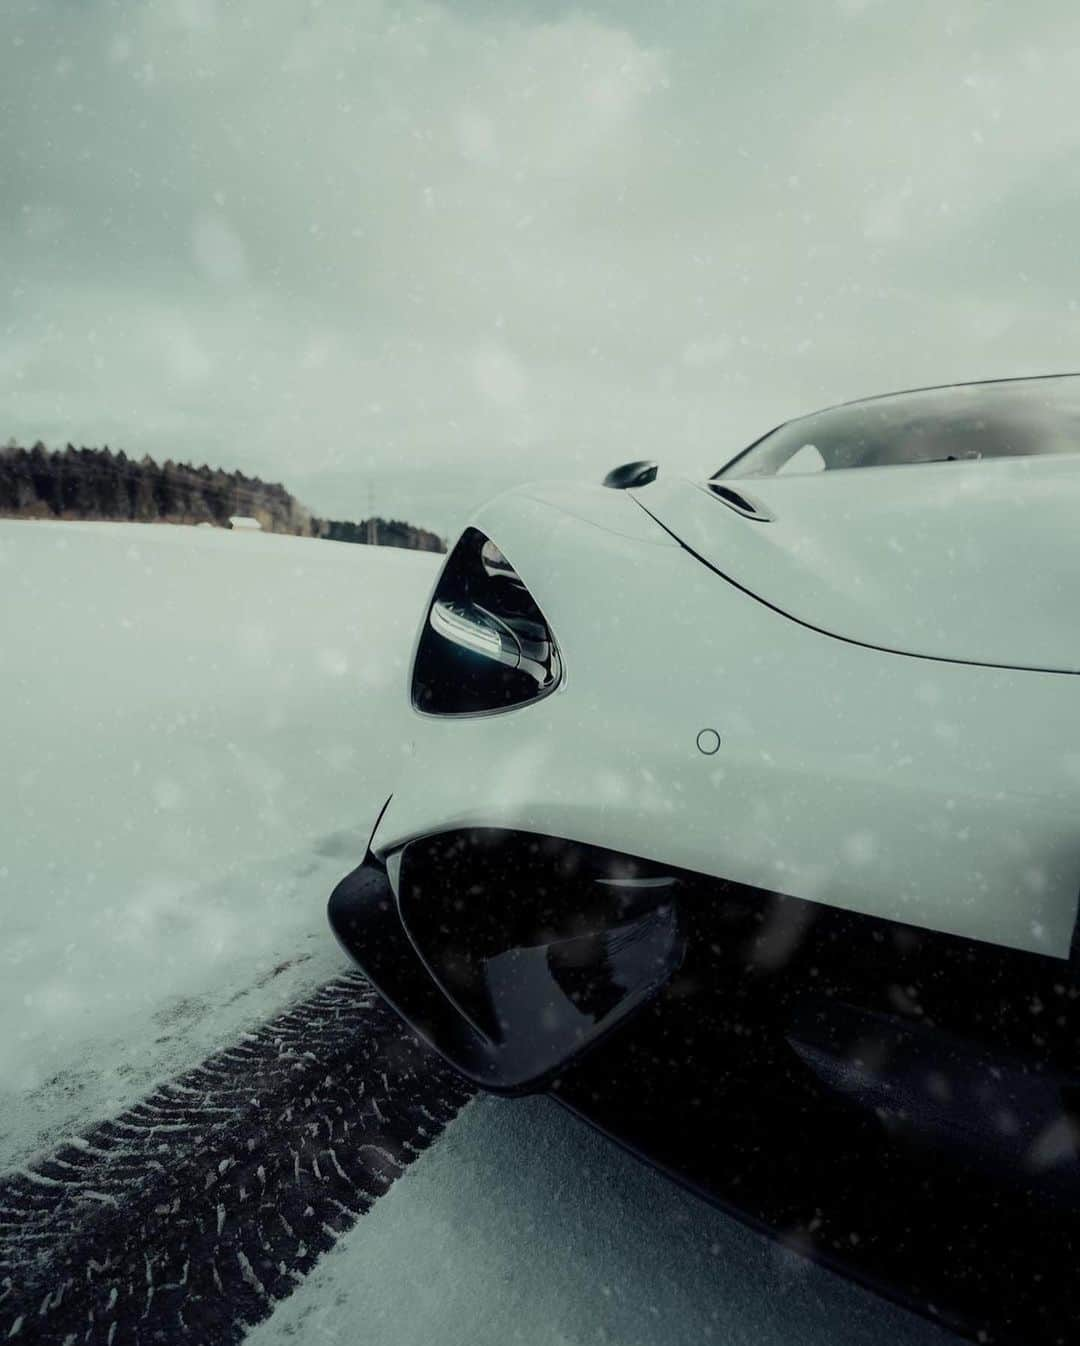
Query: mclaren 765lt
point(743, 815)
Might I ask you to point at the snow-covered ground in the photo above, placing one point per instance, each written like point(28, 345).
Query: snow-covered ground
point(196, 730)
point(522, 1227)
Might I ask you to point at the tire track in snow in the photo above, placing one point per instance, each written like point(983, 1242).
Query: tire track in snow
point(192, 1214)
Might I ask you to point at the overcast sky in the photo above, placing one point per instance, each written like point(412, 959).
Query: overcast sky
point(433, 249)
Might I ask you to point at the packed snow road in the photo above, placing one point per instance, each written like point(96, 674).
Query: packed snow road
point(204, 1210)
point(209, 1127)
point(200, 1208)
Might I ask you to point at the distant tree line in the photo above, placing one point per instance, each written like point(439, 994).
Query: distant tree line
point(83, 483)
point(384, 532)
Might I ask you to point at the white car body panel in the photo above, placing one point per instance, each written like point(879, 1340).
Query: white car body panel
point(939, 794)
point(974, 561)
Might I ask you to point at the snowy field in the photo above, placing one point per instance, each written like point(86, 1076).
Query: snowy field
point(198, 727)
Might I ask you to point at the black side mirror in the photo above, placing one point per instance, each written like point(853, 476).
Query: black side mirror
point(629, 475)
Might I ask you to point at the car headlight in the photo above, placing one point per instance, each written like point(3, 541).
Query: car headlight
point(485, 645)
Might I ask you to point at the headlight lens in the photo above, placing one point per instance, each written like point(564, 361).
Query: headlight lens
point(485, 645)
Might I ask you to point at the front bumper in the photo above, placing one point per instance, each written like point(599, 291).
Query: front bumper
point(897, 1103)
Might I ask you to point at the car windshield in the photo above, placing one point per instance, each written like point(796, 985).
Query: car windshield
point(1016, 418)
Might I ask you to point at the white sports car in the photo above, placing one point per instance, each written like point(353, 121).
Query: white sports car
point(778, 773)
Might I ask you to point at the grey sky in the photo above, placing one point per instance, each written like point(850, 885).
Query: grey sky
point(444, 247)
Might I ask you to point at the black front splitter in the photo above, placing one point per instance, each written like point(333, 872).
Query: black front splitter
point(363, 915)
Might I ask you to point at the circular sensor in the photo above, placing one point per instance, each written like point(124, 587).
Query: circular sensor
point(708, 742)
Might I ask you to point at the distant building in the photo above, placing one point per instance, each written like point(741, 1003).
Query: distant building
point(245, 523)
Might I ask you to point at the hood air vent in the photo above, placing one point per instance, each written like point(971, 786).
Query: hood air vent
point(742, 504)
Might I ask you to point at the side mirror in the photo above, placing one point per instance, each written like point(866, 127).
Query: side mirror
point(629, 475)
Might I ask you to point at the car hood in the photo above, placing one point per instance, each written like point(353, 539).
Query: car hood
point(976, 562)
